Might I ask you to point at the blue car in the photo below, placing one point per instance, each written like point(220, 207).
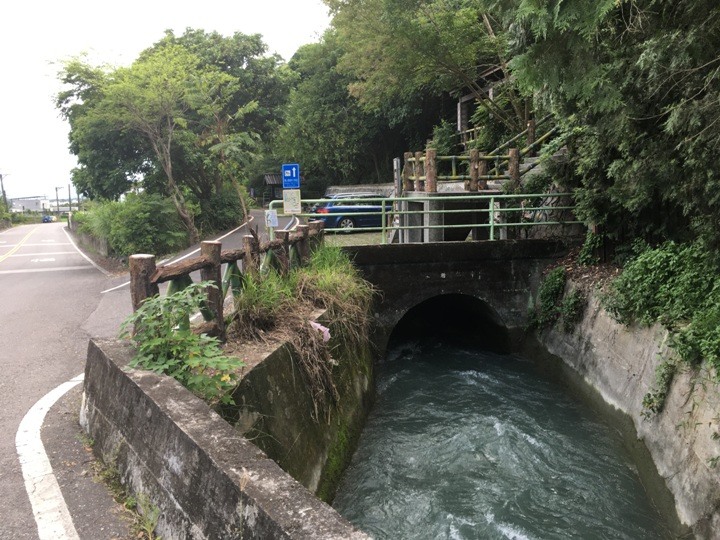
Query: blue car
point(351, 210)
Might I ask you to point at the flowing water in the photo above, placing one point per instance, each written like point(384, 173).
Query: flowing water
point(464, 443)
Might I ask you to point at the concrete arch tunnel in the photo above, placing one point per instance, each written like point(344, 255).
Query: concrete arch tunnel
point(461, 317)
point(494, 282)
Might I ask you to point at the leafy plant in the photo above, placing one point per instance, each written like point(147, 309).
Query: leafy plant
point(588, 255)
point(167, 345)
point(572, 309)
point(654, 401)
point(550, 293)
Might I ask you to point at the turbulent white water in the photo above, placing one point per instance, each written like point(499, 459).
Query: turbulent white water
point(467, 444)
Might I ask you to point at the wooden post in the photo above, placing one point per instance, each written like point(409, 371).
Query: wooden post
point(482, 171)
point(514, 167)
point(531, 137)
point(407, 182)
point(419, 184)
point(284, 253)
point(303, 245)
point(472, 184)
point(318, 227)
point(212, 250)
point(431, 170)
point(142, 267)
point(251, 258)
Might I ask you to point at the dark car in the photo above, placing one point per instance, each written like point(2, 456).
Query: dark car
point(48, 219)
point(351, 210)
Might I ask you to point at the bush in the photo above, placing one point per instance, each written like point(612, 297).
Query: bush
point(166, 344)
point(143, 223)
point(222, 211)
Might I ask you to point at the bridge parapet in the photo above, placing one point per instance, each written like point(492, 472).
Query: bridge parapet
point(504, 275)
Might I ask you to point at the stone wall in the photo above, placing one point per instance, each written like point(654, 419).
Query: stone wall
point(620, 363)
point(208, 481)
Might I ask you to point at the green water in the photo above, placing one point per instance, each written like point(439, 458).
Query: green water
point(469, 444)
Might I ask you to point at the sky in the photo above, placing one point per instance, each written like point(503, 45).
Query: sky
point(36, 36)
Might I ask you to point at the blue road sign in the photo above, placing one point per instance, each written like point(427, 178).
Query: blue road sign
point(291, 175)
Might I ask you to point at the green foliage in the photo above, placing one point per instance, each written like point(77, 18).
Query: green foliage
point(588, 255)
point(445, 139)
point(221, 211)
point(166, 345)
point(572, 309)
point(550, 295)
point(142, 223)
point(667, 285)
point(654, 401)
point(262, 300)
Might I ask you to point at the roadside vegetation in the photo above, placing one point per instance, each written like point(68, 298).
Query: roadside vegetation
point(632, 87)
point(267, 304)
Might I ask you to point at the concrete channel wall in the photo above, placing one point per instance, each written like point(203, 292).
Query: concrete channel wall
point(620, 363)
point(207, 480)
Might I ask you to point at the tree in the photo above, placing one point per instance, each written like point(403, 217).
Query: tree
point(186, 119)
point(396, 49)
point(636, 85)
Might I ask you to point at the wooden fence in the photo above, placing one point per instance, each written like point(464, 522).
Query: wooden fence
point(421, 171)
point(288, 248)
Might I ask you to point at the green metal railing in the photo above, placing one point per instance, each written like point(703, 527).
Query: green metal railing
point(494, 212)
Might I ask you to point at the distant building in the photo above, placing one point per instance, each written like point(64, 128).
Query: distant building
point(30, 204)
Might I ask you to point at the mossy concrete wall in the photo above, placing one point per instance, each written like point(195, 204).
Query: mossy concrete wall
point(208, 481)
point(620, 363)
point(314, 444)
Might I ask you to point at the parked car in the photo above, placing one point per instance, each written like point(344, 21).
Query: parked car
point(351, 210)
point(48, 219)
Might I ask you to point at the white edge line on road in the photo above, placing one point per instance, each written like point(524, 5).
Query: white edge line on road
point(52, 269)
point(184, 256)
point(88, 259)
point(51, 513)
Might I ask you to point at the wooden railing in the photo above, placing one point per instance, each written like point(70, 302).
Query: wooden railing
point(288, 248)
point(422, 170)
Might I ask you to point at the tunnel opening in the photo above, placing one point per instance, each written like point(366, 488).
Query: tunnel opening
point(453, 317)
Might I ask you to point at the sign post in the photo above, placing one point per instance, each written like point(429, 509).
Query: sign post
point(291, 188)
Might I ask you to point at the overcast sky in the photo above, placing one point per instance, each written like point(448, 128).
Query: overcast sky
point(35, 36)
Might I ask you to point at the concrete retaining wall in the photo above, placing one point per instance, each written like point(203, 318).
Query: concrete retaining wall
point(620, 364)
point(207, 480)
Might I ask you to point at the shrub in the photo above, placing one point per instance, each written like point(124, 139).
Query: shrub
point(222, 211)
point(550, 293)
point(166, 344)
point(143, 223)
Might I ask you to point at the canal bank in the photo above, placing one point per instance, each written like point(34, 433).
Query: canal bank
point(620, 364)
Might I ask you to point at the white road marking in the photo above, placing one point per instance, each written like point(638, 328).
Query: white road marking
point(168, 261)
point(56, 269)
point(42, 253)
point(88, 259)
point(45, 259)
point(51, 513)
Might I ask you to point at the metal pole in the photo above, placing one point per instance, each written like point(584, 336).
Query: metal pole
point(2, 188)
point(57, 201)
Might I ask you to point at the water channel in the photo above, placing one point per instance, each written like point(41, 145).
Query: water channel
point(464, 443)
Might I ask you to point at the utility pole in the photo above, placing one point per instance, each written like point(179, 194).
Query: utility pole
point(2, 188)
point(57, 201)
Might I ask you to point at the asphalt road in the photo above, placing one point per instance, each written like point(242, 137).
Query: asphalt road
point(53, 299)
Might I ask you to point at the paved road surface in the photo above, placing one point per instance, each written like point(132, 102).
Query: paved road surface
point(52, 300)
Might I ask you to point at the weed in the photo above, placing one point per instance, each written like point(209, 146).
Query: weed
point(572, 309)
point(550, 294)
point(167, 345)
point(654, 401)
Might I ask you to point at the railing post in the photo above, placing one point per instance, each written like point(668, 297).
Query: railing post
point(430, 170)
point(318, 227)
point(142, 267)
point(482, 172)
point(418, 169)
point(284, 254)
point(514, 167)
point(407, 183)
point(303, 246)
point(252, 249)
point(472, 184)
point(213, 273)
point(531, 137)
